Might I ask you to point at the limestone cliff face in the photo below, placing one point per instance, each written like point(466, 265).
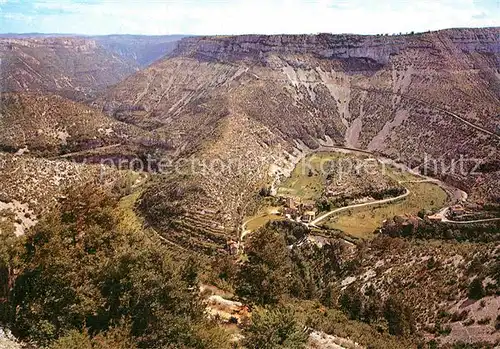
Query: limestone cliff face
point(485, 40)
point(276, 97)
point(59, 42)
point(322, 46)
point(72, 67)
point(376, 48)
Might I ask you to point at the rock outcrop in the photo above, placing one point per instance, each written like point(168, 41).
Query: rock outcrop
point(423, 99)
point(329, 46)
point(72, 67)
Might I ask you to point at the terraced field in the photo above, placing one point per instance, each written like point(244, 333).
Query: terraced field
point(194, 233)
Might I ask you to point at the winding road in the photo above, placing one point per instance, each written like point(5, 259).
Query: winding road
point(425, 179)
point(371, 203)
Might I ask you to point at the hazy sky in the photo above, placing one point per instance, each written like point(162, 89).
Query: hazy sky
point(244, 16)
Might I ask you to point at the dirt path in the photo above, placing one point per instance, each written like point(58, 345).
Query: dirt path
point(487, 220)
point(87, 151)
point(244, 231)
point(442, 213)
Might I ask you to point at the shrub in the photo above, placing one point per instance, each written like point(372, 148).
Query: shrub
point(275, 328)
point(263, 279)
point(459, 316)
point(399, 318)
point(476, 290)
point(484, 321)
point(81, 268)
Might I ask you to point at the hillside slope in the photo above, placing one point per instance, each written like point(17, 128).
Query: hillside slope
point(141, 49)
point(72, 67)
point(50, 125)
point(426, 99)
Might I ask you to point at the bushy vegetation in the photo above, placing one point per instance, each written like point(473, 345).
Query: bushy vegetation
point(476, 290)
point(275, 270)
point(279, 269)
point(480, 232)
point(85, 277)
point(82, 277)
point(275, 328)
point(370, 308)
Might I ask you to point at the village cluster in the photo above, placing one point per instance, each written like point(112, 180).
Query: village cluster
point(297, 209)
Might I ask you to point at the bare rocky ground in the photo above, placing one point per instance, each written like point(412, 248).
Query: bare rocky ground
point(23, 217)
point(320, 340)
point(30, 186)
point(480, 322)
point(433, 277)
point(258, 103)
point(7, 341)
point(259, 100)
point(72, 67)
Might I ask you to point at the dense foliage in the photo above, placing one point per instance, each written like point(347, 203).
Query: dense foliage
point(82, 273)
point(277, 269)
point(275, 328)
point(281, 268)
point(481, 232)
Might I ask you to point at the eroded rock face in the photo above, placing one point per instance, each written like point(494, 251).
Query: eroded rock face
point(476, 40)
point(72, 67)
point(266, 98)
point(376, 48)
point(141, 49)
point(82, 45)
point(323, 46)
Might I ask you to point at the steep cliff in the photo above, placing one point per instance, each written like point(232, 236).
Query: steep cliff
point(424, 99)
point(72, 67)
point(141, 49)
point(329, 46)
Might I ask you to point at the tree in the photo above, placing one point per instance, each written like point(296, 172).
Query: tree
point(74, 339)
point(80, 268)
point(115, 338)
point(372, 308)
point(10, 245)
point(351, 302)
point(422, 213)
point(476, 290)
point(224, 267)
point(275, 328)
point(265, 191)
point(264, 278)
point(399, 317)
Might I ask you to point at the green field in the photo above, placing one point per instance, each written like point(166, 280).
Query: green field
point(363, 222)
point(260, 221)
point(300, 184)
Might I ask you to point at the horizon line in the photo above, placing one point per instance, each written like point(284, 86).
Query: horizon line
point(246, 34)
